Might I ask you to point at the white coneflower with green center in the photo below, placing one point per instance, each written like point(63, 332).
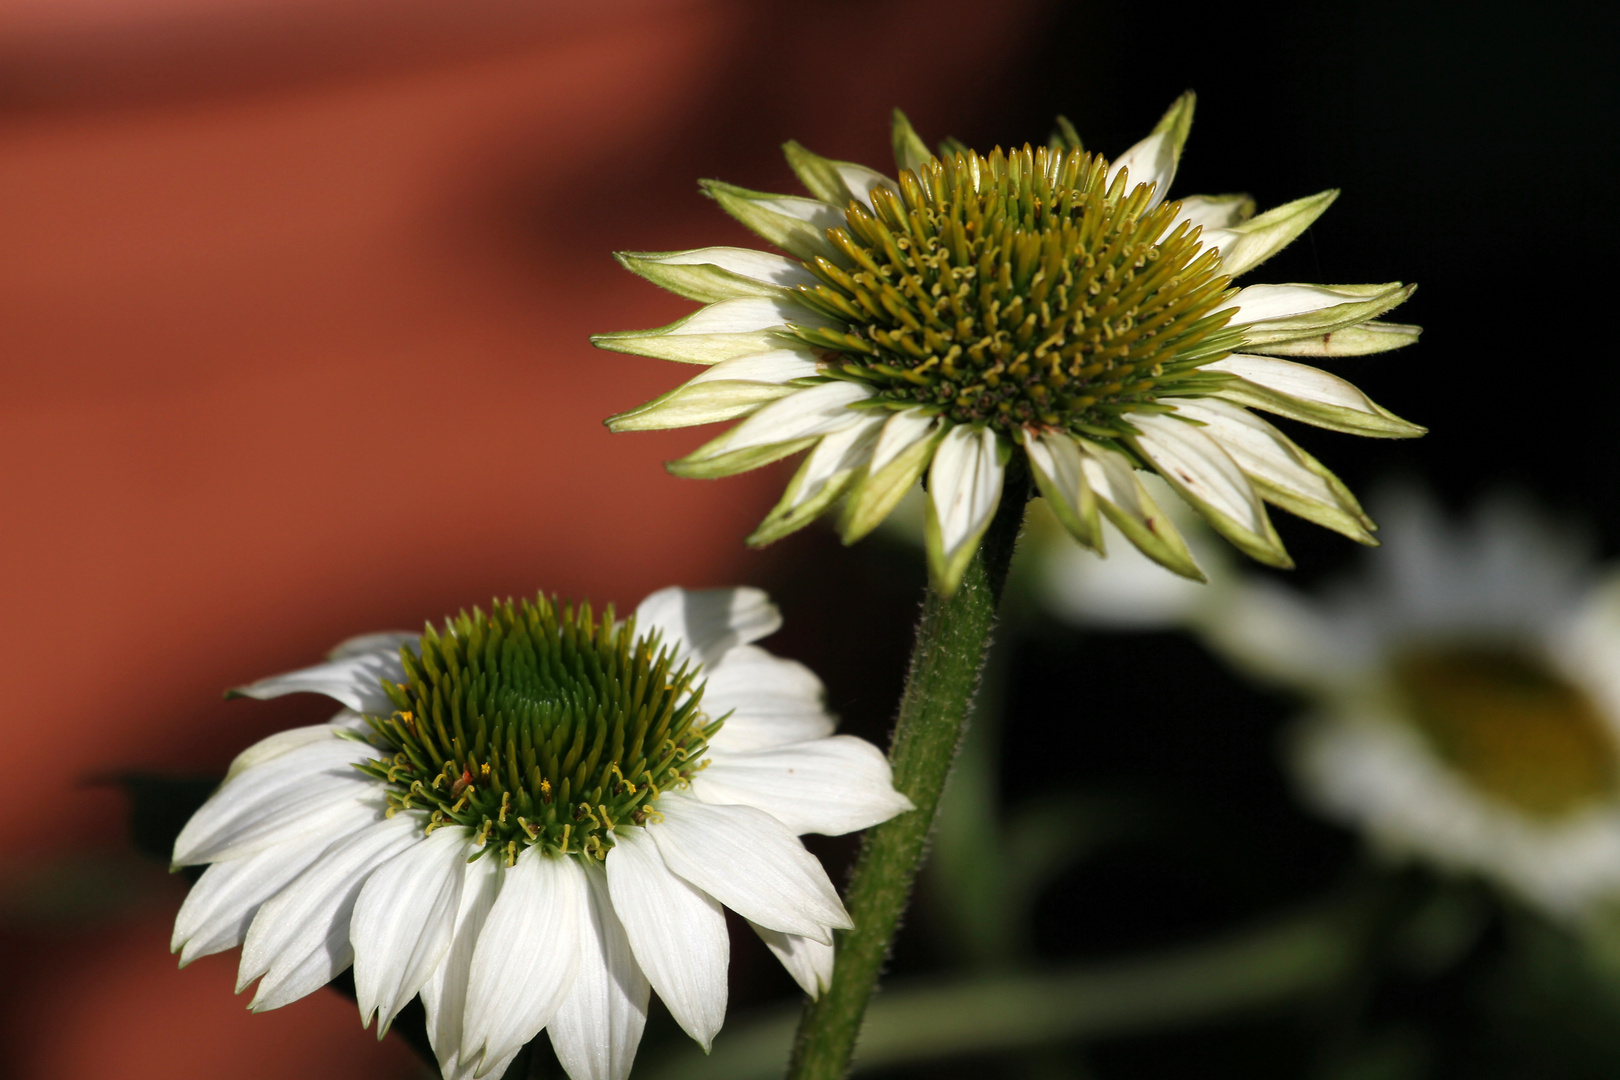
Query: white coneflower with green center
point(1045, 304)
point(1465, 701)
point(531, 818)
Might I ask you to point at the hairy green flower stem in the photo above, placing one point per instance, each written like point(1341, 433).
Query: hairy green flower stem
point(946, 659)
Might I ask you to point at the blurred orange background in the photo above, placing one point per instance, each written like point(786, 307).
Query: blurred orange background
point(295, 300)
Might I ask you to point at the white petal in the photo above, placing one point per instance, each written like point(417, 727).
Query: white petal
point(346, 722)
point(1302, 392)
point(816, 410)
point(775, 366)
point(354, 680)
point(299, 940)
point(403, 922)
point(719, 331)
point(598, 1026)
point(750, 862)
point(772, 701)
point(831, 786)
point(760, 266)
point(1260, 302)
point(384, 641)
point(1128, 505)
point(964, 489)
point(809, 962)
point(836, 455)
point(900, 431)
point(444, 995)
point(677, 932)
point(286, 796)
point(1206, 476)
point(703, 624)
point(527, 955)
point(1059, 473)
point(1216, 211)
point(1151, 161)
point(221, 905)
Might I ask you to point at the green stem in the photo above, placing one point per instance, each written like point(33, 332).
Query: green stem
point(945, 662)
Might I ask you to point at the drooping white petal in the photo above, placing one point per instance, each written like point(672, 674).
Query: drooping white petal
point(1206, 476)
point(718, 273)
point(964, 489)
point(720, 331)
point(597, 1028)
point(808, 961)
point(816, 410)
point(299, 940)
point(903, 429)
point(750, 862)
point(403, 922)
point(728, 390)
point(1056, 460)
point(831, 786)
point(772, 701)
point(221, 905)
point(703, 624)
point(837, 454)
point(901, 453)
point(286, 796)
point(677, 933)
point(1285, 474)
point(527, 955)
point(444, 995)
point(1309, 394)
point(355, 680)
point(1126, 503)
point(346, 722)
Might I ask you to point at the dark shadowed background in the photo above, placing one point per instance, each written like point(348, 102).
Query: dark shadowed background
point(294, 301)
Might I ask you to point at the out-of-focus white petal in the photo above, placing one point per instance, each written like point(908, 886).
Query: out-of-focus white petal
point(703, 624)
point(677, 933)
point(527, 956)
point(750, 862)
point(299, 940)
point(597, 1028)
point(355, 680)
point(404, 920)
point(808, 961)
point(831, 786)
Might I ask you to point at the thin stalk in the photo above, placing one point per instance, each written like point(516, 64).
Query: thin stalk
point(946, 659)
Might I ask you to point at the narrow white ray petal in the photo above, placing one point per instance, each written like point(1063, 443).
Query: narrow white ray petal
point(403, 922)
point(702, 624)
point(1216, 211)
point(677, 933)
point(1206, 476)
point(598, 1026)
point(1127, 504)
point(900, 431)
point(728, 390)
point(346, 722)
point(1279, 314)
point(444, 995)
point(964, 489)
point(720, 331)
point(527, 955)
point(775, 366)
point(772, 701)
point(354, 680)
point(831, 786)
point(386, 642)
point(809, 962)
point(299, 940)
point(835, 182)
point(1309, 394)
point(836, 455)
point(1258, 303)
point(861, 181)
point(1150, 161)
point(1056, 460)
point(1245, 246)
point(221, 905)
point(718, 273)
point(797, 226)
point(1284, 473)
point(1357, 339)
point(283, 797)
point(815, 410)
point(750, 862)
point(910, 152)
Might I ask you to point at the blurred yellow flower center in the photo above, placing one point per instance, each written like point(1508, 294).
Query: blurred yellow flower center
point(1512, 726)
point(1018, 290)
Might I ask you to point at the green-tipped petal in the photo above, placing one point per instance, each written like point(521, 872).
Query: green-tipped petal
point(1064, 136)
point(721, 331)
point(1124, 501)
point(834, 182)
point(964, 489)
point(1308, 394)
point(1217, 211)
point(726, 391)
point(1284, 475)
point(797, 226)
point(1205, 475)
point(909, 149)
point(1245, 246)
point(1362, 339)
point(904, 448)
point(718, 273)
point(837, 461)
point(709, 462)
point(1056, 461)
point(807, 414)
point(1154, 159)
point(1272, 314)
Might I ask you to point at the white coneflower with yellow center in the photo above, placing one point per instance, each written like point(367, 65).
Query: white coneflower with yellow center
point(1046, 305)
point(1466, 701)
point(532, 818)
